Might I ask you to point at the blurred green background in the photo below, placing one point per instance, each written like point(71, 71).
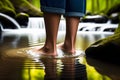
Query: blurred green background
point(93, 6)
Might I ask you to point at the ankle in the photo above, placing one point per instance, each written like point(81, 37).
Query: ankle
point(48, 49)
point(67, 48)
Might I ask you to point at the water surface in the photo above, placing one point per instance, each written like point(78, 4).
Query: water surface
point(15, 65)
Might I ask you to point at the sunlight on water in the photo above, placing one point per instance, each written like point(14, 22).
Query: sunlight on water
point(69, 68)
point(33, 70)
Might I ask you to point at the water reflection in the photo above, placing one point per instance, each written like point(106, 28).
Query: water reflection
point(17, 66)
point(50, 69)
point(106, 69)
point(11, 69)
point(85, 39)
point(73, 70)
point(24, 39)
point(68, 68)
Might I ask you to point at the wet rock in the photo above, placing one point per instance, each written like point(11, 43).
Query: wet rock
point(15, 9)
point(108, 52)
point(114, 13)
point(95, 18)
point(114, 18)
point(22, 19)
point(107, 49)
point(6, 23)
point(114, 9)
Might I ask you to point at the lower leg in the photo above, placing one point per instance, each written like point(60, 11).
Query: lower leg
point(51, 24)
point(71, 31)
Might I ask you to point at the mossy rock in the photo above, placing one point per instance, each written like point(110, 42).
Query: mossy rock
point(25, 7)
point(107, 49)
point(6, 7)
point(22, 19)
point(6, 23)
point(12, 7)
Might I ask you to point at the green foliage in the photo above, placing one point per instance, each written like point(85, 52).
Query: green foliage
point(100, 6)
point(36, 3)
point(93, 6)
point(26, 7)
point(6, 7)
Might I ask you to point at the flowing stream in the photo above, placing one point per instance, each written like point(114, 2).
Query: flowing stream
point(10, 19)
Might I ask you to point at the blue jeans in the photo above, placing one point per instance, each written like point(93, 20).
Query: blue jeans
point(65, 7)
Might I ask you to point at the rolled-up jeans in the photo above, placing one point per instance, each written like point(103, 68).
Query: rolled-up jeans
point(74, 8)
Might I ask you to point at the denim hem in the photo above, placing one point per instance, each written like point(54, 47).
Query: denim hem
point(52, 10)
point(75, 14)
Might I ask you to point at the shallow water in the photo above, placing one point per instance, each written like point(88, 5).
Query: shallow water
point(17, 65)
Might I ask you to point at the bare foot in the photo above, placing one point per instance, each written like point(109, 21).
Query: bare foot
point(43, 51)
point(69, 52)
point(66, 49)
